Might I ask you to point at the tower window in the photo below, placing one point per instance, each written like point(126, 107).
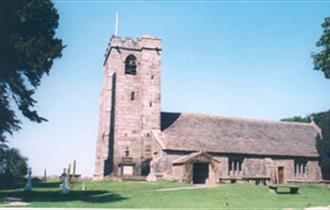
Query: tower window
point(150, 104)
point(132, 96)
point(130, 65)
point(152, 76)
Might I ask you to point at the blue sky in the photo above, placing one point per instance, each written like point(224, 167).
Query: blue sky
point(244, 59)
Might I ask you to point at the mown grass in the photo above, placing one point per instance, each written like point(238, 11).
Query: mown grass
point(108, 194)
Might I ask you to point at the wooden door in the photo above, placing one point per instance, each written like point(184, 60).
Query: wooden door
point(200, 173)
point(281, 175)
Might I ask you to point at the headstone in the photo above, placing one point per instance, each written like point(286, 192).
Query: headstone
point(69, 174)
point(83, 186)
point(64, 189)
point(45, 176)
point(151, 176)
point(74, 169)
point(28, 186)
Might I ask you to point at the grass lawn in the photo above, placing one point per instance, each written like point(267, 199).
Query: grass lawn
point(141, 194)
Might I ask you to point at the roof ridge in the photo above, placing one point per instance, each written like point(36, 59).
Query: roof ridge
point(247, 119)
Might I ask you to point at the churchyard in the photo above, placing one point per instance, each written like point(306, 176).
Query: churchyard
point(164, 194)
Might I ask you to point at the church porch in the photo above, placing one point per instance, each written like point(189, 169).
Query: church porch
point(196, 168)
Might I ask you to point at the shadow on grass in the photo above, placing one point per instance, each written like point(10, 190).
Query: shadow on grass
point(286, 193)
point(20, 183)
point(17, 184)
point(49, 192)
point(40, 184)
point(90, 196)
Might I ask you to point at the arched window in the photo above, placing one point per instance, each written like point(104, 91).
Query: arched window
point(130, 65)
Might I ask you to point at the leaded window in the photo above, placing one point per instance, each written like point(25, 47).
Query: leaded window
point(235, 165)
point(130, 65)
point(300, 167)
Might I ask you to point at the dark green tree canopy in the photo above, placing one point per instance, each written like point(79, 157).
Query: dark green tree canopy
point(28, 47)
point(13, 166)
point(297, 119)
point(322, 119)
point(322, 58)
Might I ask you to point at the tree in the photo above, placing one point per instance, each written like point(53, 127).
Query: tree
point(322, 58)
point(13, 166)
point(28, 47)
point(322, 119)
point(297, 119)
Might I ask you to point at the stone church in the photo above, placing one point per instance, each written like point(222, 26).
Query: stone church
point(136, 139)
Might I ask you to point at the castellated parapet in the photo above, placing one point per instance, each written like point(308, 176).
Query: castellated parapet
point(130, 105)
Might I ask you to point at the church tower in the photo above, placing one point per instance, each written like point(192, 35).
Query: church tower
point(129, 107)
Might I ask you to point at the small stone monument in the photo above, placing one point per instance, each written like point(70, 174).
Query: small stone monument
point(28, 185)
point(126, 164)
point(45, 176)
point(64, 189)
point(74, 169)
point(69, 174)
point(83, 186)
point(151, 176)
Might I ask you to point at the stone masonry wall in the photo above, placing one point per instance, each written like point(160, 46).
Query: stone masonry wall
point(126, 123)
point(103, 138)
point(251, 167)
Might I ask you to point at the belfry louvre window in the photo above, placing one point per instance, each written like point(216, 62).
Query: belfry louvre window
point(300, 167)
point(130, 65)
point(235, 165)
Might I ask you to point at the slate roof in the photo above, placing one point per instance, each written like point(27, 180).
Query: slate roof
point(196, 132)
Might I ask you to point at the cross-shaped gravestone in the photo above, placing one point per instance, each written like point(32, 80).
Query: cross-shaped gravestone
point(28, 185)
point(64, 189)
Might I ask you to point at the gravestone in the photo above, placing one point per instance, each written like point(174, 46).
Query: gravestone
point(83, 187)
point(28, 185)
point(69, 174)
point(45, 176)
point(64, 189)
point(74, 169)
point(151, 176)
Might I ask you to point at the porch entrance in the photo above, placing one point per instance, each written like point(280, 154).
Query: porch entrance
point(200, 173)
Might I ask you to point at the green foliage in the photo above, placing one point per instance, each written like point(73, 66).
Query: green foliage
point(322, 58)
point(322, 119)
point(297, 119)
point(13, 166)
point(28, 47)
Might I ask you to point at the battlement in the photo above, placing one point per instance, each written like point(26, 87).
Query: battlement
point(146, 42)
